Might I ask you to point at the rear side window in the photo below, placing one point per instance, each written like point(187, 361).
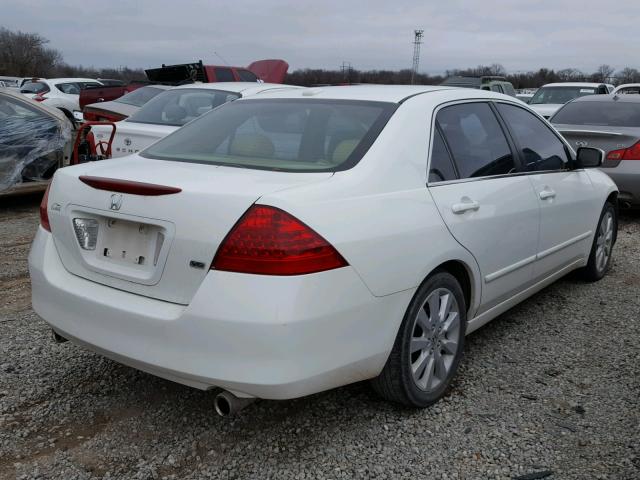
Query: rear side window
point(476, 140)
point(139, 96)
point(34, 87)
point(441, 167)
point(247, 76)
point(295, 135)
point(497, 88)
point(540, 148)
point(69, 88)
point(224, 75)
point(609, 114)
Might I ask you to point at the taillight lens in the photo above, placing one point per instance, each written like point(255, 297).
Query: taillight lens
point(39, 97)
point(44, 215)
point(94, 115)
point(269, 241)
point(631, 153)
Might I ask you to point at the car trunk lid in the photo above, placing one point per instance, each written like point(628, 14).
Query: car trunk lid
point(602, 137)
point(158, 243)
point(131, 137)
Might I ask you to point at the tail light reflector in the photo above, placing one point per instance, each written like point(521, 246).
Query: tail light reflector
point(39, 97)
point(631, 153)
point(44, 214)
point(269, 241)
point(95, 115)
point(128, 186)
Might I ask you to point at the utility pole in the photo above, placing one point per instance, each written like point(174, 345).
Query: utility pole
point(417, 41)
point(346, 71)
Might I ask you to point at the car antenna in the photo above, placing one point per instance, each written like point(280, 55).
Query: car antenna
point(221, 58)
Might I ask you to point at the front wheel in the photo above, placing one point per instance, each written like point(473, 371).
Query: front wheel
point(601, 250)
point(429, 345)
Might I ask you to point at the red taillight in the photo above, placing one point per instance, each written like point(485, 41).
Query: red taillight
point(44, 214)
point(269, 241)
point(95, 115)
point(631, 153)
point(39, 97)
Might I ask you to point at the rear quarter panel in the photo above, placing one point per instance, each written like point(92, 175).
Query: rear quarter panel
point(379, 214)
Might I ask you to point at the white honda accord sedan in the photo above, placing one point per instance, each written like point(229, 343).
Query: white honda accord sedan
point(294, 242)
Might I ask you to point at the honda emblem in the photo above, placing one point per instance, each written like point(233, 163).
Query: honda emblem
point(116, 201)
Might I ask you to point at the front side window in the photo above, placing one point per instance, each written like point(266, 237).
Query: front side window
point(296, 135)
point(181, 105)
point(441, 167)
point(224, 75)
point(476, 140)
point(497, 88)
point(540, 148)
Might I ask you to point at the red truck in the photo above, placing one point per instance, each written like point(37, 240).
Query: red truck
point(269, 71)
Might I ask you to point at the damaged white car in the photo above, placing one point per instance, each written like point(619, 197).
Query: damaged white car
point(34, 142)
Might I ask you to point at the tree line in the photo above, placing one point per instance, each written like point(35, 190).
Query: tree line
point(28, 54)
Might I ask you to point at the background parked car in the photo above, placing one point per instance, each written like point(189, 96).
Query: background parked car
point(612, 124)
point(550, 97)
point(35, 141)
point(172, 109)
point(122, 107)
point(61, 93)
point(489, 83)
point(627, 88)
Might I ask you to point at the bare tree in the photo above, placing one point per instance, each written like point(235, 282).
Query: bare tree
point(570, 74)
point(24, 54)
point(628, 75)
point(604, 73)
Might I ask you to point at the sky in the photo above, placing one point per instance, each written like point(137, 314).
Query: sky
point(373, 34)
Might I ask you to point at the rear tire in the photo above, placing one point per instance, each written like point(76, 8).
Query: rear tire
point(602, 247)
point(428, 347)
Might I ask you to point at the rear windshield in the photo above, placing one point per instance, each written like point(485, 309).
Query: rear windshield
point(179, 106)
point(610, 114)
point(559, 95)
point(295, 135)
point(34, 87)
point(140, 96)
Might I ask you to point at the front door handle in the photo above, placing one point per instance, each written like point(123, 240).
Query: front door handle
point(465, 205)
point(547, 193)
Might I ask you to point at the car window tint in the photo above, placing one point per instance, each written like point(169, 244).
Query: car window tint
point(477, 142)
point(497, 88)
point(224, 75)
point(441, 167)
point(610, 113)
point(247, 76)
point(34, 87)
point(541, 148)
point(69, 88)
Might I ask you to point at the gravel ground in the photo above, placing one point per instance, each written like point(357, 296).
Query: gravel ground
point(548, 390)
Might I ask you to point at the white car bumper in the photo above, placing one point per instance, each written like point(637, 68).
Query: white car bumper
point(262, 336)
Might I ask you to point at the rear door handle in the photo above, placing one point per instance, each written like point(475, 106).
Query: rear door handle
point(547, 193)
point(465, 205)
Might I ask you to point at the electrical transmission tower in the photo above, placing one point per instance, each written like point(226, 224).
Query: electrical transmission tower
point(417, 41)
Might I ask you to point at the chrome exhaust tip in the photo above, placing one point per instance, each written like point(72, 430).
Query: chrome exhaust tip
point(57, 337)
point(227, 404)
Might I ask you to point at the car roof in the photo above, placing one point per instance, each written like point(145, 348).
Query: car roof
point(238, 87)
point(625, 85)
point(609, 98)
point(573, 84)
point(70, 79)
point(372, 93)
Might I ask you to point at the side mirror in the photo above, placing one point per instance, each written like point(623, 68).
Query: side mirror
point(588, 157)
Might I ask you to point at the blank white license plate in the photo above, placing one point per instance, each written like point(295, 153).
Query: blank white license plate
point(129, 243)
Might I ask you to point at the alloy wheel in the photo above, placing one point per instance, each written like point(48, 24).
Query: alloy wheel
point(604, 241)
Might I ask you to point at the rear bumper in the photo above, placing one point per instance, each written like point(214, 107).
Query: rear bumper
point(627, 177)
point(268, 337)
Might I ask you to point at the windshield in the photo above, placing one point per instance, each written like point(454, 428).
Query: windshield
point(295, 135)
point(610, 114)
point(140, 96)
point(181, 105)
point(560, 95)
